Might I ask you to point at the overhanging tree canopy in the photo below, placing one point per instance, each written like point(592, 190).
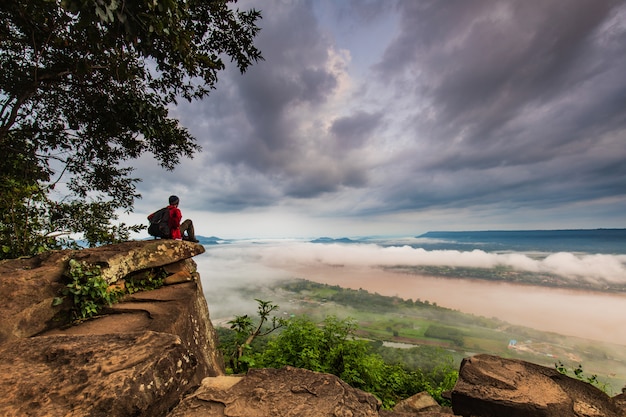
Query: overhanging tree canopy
point(85, 86)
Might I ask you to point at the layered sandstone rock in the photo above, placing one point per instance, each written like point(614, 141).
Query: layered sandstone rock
point(491, 386)
point(123, 374)
point(278, 393)
point(138, 358)
point(294, 392)
point(29, 286)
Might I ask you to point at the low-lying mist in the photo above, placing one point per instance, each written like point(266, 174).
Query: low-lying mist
point(592, 267)
point(225, 269)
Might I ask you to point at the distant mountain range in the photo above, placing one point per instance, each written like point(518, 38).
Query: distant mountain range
point(331, 240)
point(608, 241)
point(212, 240)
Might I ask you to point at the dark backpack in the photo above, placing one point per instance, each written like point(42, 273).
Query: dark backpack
point(160, 223)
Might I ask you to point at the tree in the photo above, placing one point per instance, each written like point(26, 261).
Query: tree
point(246, 332)
point(332, 347)
point(85, 87)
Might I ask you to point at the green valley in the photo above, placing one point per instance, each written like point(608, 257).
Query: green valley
point(420, 334)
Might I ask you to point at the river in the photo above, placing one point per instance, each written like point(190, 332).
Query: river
point(590, 315)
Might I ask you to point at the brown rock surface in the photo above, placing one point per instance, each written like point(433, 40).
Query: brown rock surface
point(179, 309)
point(420, 404)
point(285, 392)
point(136, 374)
point(491, 386)
point(119, 260)
point(137, 358)
point(29, 286)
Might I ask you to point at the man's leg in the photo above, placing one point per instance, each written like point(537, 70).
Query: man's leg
point(187, 226)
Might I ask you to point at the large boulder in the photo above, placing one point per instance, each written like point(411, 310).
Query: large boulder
point(285, 392)
point(179, 310)
point(133, 374)
point(30, 286)
point(294, 392)
point(118, 261)
point(491, 386)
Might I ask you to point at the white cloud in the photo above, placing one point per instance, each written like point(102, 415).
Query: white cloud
point(285, 254)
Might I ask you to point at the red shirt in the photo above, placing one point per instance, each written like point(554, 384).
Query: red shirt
point(175, 217)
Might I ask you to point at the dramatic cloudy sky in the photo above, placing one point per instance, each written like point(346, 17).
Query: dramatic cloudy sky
point(399, 117)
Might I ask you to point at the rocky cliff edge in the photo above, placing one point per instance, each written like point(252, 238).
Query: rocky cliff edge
point(155, 354)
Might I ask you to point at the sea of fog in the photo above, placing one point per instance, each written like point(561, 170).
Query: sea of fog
point(228, 266)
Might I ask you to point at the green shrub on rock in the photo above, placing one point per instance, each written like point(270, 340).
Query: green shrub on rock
point(89, 291)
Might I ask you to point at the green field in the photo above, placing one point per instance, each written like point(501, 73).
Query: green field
point(503, 273)
point(406, 324)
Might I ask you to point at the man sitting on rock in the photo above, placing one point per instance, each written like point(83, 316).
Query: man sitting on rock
point(165, 223)
point(178, 229)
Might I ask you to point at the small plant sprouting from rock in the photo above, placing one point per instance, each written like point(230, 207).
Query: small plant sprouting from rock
point(89, 291)
point(580, 375)
point(146, 281)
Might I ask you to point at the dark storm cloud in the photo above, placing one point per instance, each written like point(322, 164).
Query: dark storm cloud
point(470, 104)
point(519, 95)
point(353, 131)
point(487, 59)
point(293, 74)
point(249, 126)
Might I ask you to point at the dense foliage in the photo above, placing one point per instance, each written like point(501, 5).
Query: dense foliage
point(331, 347)
point(85, 87)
